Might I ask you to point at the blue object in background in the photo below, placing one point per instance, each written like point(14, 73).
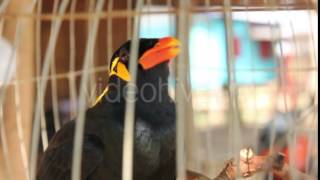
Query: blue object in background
point(208, 53)
point(208, 50)
point(250, 64)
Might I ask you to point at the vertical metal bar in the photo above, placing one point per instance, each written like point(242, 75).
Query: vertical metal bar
point(181, 98)
point(109, 31)
point(171, 17)
point(128, 137)
point(22, 144)
point(92, 81)
point(129, 22)
point(43, 83)
point(4, 144)
point(235, 139)
point(78, 140)
point(44, 136)
point(43, 124)
point(38, 43)
point(72, 59)
point(209, 141)
point(171, 29)
point(191, 135)
point(54, 93)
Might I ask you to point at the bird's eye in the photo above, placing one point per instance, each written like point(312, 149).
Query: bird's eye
point(124, 56)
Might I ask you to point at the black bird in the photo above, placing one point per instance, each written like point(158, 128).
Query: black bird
point(154, 139)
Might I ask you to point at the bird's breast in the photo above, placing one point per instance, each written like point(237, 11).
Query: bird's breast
point(147, 144)
point(152, 145)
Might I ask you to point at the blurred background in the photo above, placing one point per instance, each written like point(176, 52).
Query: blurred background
point(271, 105)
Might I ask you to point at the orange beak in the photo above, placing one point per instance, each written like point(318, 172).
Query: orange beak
point(166, 49)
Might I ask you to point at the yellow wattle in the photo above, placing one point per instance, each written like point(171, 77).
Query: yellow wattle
point(122, 72)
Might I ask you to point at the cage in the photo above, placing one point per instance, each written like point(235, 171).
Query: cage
point(247, 76)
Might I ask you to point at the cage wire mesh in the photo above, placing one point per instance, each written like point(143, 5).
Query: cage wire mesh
point(247, 76)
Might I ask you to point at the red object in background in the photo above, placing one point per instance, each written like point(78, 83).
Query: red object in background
point(300, 154)
point(265, 49)
point(290, 88)
point(236, 46)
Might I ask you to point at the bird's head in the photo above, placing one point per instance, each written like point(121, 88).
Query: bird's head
point(153, 58)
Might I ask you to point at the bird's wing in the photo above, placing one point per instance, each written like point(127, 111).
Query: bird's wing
point(56, 163)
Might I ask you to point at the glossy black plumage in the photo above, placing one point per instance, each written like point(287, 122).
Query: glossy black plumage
point(154, 152)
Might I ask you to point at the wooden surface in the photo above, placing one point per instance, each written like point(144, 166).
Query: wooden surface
point(119, 28)
point(25, 59)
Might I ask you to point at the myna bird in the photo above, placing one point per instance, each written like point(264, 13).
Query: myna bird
point(154, 138)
